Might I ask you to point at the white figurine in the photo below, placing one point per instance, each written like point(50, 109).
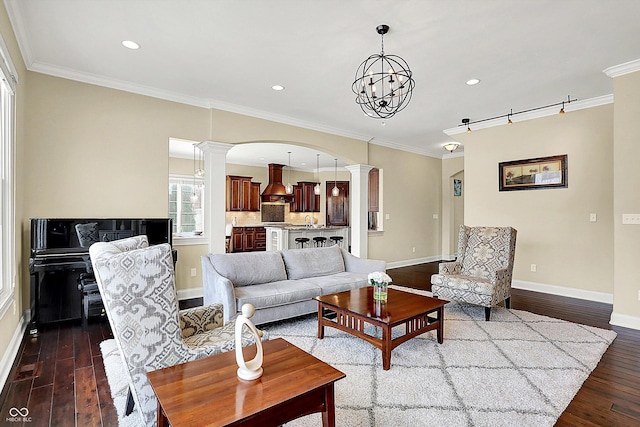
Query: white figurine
point(252, 369)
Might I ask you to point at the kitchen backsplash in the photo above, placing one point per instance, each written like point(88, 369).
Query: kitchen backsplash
point(253, 218)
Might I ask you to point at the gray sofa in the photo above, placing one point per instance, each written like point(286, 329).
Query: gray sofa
point(281, 284)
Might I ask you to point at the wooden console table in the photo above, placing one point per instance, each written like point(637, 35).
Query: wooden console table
point(207, 392)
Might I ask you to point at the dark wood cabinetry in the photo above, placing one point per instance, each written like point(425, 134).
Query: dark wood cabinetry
point(242, 194)
point(246, 239)
point(338, 206)
point(304, 198)
point(374, 192)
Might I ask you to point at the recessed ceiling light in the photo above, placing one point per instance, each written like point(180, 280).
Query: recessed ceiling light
point(130, 44)
point(472, 82)
point(277, 87)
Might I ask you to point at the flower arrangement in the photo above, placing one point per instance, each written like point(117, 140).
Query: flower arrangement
point(378, 277)
point(379, 281)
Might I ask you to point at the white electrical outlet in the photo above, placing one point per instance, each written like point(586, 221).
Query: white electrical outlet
point(534, 268)
point(387, 216)
point(435, 216)
point(593, 217)
point(414, 249)
point(193, 272)
point(631, 218)
point(639, 295)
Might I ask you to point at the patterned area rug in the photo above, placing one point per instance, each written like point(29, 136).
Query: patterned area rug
point(518, 369)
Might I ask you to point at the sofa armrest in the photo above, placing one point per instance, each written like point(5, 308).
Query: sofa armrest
point(197, 320)
point(453, 267)
point(353, 264)
point(218, 289)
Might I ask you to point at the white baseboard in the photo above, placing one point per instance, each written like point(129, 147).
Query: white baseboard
point(625, 321)
point(190, 293)
point(415, 261)
point(563, 291)
point(9, 356)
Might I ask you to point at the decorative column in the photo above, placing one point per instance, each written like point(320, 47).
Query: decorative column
point(215, 160)
point(359, 209)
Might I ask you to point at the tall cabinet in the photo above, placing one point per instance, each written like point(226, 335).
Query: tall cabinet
point(304, 198)
point(242, 194)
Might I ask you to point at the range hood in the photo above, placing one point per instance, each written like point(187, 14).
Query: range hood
point(275, 191)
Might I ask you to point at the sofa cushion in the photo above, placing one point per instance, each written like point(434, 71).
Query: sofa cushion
point(313, 262)
point(250, 268)
point(276, 293)
point(339, 282)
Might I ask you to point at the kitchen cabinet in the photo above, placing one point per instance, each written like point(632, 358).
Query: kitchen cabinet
point(337, 206)
point(247, 239)
point(374, 192)
point(242, 194)
point(304, 198)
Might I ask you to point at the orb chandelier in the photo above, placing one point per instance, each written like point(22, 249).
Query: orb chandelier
point(384, 83)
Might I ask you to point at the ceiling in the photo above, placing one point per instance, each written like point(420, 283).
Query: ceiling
point(228, 54)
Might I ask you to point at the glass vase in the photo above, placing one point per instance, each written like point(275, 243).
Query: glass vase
point(380, 291)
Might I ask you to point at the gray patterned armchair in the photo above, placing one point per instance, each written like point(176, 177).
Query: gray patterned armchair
point(137, 285)
point(482, 272)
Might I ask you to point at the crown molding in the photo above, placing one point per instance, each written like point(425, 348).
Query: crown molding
point(622, 69)
point(18, 27)
point(94, 79)
point(259, 114)
point(396, 146)
point(544, 112)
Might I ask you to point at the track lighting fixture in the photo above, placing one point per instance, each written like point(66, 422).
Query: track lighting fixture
point(466, 122)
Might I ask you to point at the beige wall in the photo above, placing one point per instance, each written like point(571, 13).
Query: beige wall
point(458, 213)
point(626, 191)
point(452, 207)
point(412, 194)
point(554, 231)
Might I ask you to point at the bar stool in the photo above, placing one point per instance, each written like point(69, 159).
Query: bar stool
point(319, 241)
point(301, 241)
point(337, 240)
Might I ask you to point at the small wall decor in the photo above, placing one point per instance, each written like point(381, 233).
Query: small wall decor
point(457, 187)
point(533, 174)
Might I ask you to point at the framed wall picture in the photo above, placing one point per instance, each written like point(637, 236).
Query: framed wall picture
point(457, 187)
point(533, 174)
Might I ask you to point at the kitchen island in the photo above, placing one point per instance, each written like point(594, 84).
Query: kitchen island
point(284, 237)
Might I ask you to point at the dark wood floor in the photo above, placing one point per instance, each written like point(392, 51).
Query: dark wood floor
point(71, 388)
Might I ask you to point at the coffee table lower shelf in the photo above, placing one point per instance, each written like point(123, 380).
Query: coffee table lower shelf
point(332, 313)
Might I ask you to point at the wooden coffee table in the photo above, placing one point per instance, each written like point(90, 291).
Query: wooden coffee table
point(207, 392)
point(355, 308)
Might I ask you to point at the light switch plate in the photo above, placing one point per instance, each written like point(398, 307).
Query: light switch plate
point(593, 217)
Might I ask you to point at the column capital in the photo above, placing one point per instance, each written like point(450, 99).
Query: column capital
point(215, 147)
point(358, 168)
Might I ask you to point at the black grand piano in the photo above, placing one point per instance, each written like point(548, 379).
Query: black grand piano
point(59, 260)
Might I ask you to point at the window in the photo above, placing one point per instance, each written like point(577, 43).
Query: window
point(186, 204)
point(7, 200)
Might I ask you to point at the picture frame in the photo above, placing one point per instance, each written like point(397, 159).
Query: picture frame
point(533, 174)
point(457, 187)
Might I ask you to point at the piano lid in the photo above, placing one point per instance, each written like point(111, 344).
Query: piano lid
point(55, 236)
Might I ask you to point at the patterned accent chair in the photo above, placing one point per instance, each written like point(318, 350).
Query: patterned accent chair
point(482, 272)
point(137, 285)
